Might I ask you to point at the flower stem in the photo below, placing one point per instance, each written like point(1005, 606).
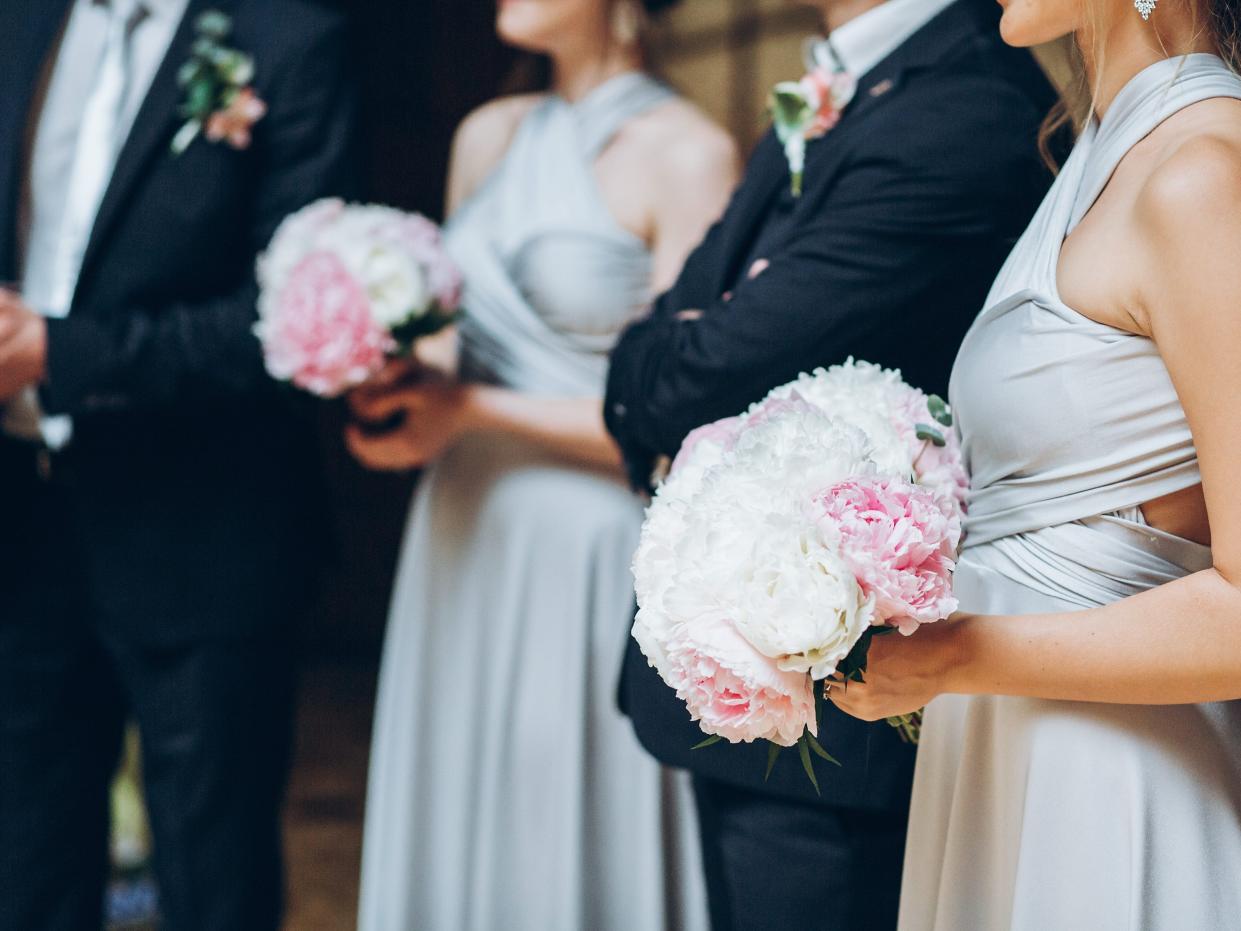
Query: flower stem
point(909, 726)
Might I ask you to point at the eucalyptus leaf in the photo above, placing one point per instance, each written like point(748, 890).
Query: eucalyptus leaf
point(709, 742)
point(929, 434)
point(189, 72)
point(939, 409)
point(200, 101)
point(803, 750)
point(214, 24)
point(241, 72)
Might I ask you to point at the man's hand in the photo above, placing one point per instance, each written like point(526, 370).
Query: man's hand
point(23, 346)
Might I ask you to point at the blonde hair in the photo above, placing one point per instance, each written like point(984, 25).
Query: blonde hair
point(1219, 19)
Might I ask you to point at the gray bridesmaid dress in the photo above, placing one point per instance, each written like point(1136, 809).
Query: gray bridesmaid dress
point(1031, 814)
point(506, 790)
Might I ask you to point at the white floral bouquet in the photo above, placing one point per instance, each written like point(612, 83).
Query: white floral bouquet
point(345, 286)
point(785, 539)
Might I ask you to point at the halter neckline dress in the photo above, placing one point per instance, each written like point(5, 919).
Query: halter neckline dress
point(506, 789)
point(1031, 814)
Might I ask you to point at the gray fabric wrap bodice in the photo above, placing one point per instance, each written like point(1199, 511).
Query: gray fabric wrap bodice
point(553, 277)
point(1069, 425)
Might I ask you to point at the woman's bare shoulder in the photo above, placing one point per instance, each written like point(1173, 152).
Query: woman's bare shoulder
point(1188, 209)
point(481, 140)
point(1198, 162)
point(681, 138)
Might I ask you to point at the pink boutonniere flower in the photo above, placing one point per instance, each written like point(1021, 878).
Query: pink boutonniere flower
point(236, 120)
point(219, 103)
point(808, 109)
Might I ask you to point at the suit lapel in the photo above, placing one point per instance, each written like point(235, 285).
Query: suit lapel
point(763, 177)
point(27, 34)
point(934, 42)
point(152, 130)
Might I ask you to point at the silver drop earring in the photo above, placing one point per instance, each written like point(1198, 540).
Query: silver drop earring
point(1145, 7)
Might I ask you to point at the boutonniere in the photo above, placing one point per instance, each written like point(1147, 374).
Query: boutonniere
point(804, 110)
point(219, 101)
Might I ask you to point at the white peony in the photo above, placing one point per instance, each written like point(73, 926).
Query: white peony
point(865, 396)
point(722, 540)
point(396, 285)
point(798, 601)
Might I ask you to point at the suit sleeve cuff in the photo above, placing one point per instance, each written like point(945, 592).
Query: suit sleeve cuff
point(77, 354)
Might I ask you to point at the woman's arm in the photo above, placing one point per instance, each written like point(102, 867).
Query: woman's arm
point(436, 412)
point(1181, 642)
point(1177, 644)
point(692, 167)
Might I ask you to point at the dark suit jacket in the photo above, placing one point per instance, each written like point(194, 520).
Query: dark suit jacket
point(190, 473)
point(910, 206)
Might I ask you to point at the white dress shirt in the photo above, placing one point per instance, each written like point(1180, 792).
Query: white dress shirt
point(44, 235)
point(866, 40)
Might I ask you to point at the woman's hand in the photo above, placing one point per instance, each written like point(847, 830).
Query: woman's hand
point(431, 414)
point(902, 673)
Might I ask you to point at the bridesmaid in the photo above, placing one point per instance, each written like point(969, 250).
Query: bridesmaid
point(1083, 767)
point(506, 790)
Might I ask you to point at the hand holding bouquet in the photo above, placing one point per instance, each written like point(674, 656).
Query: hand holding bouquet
point(784, 539)
point(344, 287)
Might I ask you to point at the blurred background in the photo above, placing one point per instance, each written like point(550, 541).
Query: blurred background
point(724, 55)
point(423, 66)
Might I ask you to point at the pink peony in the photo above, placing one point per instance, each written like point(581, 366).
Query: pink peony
point(321, 335)
point(900, 541)
point(722, 433)
point(733, 690)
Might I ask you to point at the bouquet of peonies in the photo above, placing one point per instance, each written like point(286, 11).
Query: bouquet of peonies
point(785, 539)
point(345, 286)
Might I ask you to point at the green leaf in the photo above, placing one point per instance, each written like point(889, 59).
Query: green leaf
point(415, 328)
point(790, 110)
point(214, 25)
point(709, 742)
point(773, 754)
point(241, 70)
point(803, 750)
point(939, 410)
point(854, 663)
point(819, 751)
point(189, 72)
point(927, 433)
point(200, 100)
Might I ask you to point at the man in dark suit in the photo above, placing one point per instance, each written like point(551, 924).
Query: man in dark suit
point(156, 527)
point(910, 204)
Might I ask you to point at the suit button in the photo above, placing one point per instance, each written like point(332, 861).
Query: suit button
point(620, 410)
